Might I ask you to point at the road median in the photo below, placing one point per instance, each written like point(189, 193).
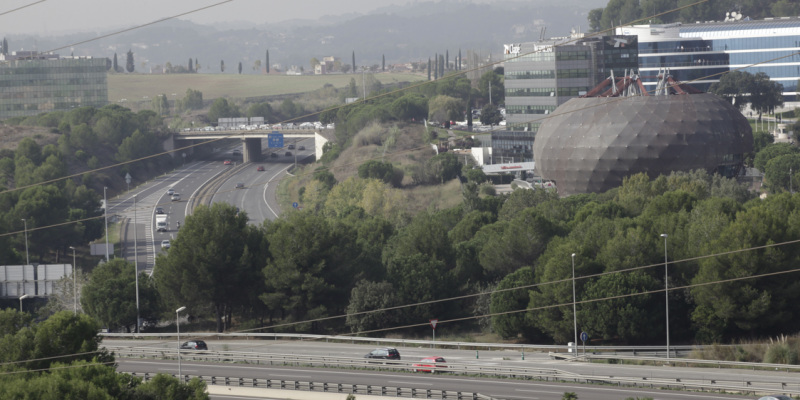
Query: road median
point(205, 193)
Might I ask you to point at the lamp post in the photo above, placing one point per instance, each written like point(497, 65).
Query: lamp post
point(136, 261)
point(74, 280)
point(791, 189)
point(574, 308)
point(105, 210)
point(27, 257)
point(24, 296)
point(178, 324)
point(666, 286)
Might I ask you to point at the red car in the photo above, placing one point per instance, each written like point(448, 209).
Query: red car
point(260, 168)
point(226, 162)
point(431, 363)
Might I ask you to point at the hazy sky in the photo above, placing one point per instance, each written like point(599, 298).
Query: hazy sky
point(58, 16)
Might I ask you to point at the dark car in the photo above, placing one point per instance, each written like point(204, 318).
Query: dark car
point(385, 353)
point(194, 345)
point(274, 155)
point(291, 147)
point(301, 147)
point(239, 185)
point(288, 153)
point(159, 210)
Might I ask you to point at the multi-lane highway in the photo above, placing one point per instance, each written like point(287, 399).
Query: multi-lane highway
point(259, 201)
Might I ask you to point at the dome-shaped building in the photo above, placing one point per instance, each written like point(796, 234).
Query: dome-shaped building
point(592, 142)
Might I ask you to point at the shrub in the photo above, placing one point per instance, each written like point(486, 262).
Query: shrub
point(488, 190)
point(93, 163)
point(781, 353)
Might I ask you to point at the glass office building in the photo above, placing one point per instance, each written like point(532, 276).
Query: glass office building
point(31, 87)
point(700, 50)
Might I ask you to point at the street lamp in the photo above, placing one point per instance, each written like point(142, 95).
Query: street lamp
point(136, 262)
point(574, 308)
point(74, 279)
point(178, 323)
point(105, 210)
point(666, 286)
point(791, 189)
point(24, 296)
point(27, 257)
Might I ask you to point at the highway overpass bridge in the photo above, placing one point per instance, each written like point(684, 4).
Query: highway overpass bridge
point(251, 139)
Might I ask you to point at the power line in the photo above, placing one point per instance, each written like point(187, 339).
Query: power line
point(54, 368)
point(362, 161)
point(20, 8)
point(330, 109)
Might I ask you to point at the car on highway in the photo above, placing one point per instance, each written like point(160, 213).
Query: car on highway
point(288, 153)
point(330, 126)
point(176, 197)
point(274, 155)
point(301, 147)
point(306, 125)
point(239, 185)
point(208, 128)
point(170, 192)
point(159, 210)
point(165, 244)
point(226, 162)
point(260, 168)
point(194, 345)
point(237, 152)
point(384, 353)
point(290, 147)
point(775, 397)
point(429, 364)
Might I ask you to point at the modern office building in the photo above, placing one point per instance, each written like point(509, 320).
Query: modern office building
point(31, 84)
point(701, 49)
point(540, 76)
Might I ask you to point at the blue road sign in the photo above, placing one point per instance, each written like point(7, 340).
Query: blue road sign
point(275, 140)
point(584, 336)
point(295, 205)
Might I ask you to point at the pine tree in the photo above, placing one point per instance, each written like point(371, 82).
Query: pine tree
point(429, 68)
point(240, 67)
point(222, 65)
point(115, 65)
point(383, 62)
point(129, 61)
point(191, 66)
point(354, 62)
point(447, 59)
point(267, 61)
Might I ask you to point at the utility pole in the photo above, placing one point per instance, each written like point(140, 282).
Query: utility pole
point(105, 210)
point(574, 307)
point(27, 256)
point(490, 92)
point(136, 261)
point(666, 286)
point(74, 279)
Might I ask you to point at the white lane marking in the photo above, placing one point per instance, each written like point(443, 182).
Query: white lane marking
point(154, 184)
point(291, 376)
point(411, 383)
point(175, 369)
point(535, 391)
point(186, 211)
point(265, 190)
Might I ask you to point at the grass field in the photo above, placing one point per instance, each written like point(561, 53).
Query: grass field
point(135, 87)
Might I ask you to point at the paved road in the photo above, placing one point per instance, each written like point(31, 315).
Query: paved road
point(487, 358)
point(258, 198)
point(505, 389)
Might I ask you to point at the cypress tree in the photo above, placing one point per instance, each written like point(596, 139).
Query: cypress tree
point(222, 66)
point(195, 65)
point(383, 62)
point(447, 59)
point(115, 66)
point(459, 60)
point(441, 66)
point(267, 61)
point(4, 46)
point(469, 113)
point(129, 62)
point(435, 67)
point(429, 68)
point(354, 62)
point(191, 66)
point(240, 67)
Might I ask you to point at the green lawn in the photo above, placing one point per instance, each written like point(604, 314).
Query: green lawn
point(135, 87)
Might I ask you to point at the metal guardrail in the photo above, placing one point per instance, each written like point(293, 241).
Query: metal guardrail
point(688, 361)
point(403, 342)
point(551, 375)
point(544, 374)
point(325, 387)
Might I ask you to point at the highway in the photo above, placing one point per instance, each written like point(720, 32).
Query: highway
point(256, 198)
point(487, 358)
point(500, 388)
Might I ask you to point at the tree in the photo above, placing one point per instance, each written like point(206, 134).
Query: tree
point(513, 324)
point(267, 61)
point(409, 106)
point(129, 64)
point(777, 172)
point(191, 65)
point(620, 10)
point(765, 95)
point(193, 100)
point(594, 19)
point(441, 65)
point(383, 62)
point(222, 66)
point(210, 262)
point(196, 65)
point(221, 109)
point(785, 8)
point(569, 396)
point(263, 110)
point(429, 68)
point(116, 66)
point(491, 79)
point(5, 46)
point(761, 140)
point(490, 115)
point(345, 68)
point(110, 296)
point(435, 66)
point(62, 297)
point(314, 62)
point(354, 62)
point(447, 59)
point(469, 112)
point(375, 169)
point(240, 67)
point(257, 65)
point(459, 59)
point(367, 296)
point(445, 108)
point(771, 151)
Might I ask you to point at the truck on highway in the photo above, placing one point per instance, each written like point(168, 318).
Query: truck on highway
point(161, 222)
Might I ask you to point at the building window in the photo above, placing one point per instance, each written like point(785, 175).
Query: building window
point(530, 92)
point(572, 55)
point(573, 73)
point(529, 109)
point(542, 74)
point(538, 56)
